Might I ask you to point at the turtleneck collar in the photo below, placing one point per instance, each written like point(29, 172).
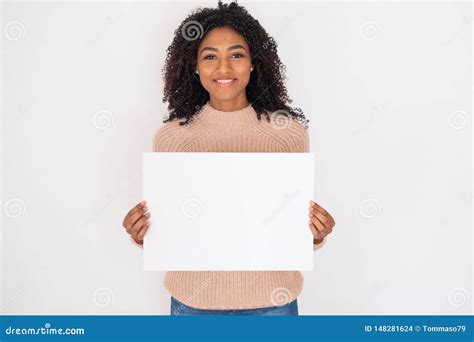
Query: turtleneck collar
point(210, 113)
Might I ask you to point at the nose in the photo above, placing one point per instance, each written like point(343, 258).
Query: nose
point(223, 66)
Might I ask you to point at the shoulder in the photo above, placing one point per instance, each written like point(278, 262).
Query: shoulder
point(291, 130)
point(165, 138)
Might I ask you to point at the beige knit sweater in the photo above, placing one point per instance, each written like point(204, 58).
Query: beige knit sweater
point(236, 131)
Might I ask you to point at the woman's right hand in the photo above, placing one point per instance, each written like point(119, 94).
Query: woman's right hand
point(136, 222)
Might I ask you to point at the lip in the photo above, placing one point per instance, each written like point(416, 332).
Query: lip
point(225, 85)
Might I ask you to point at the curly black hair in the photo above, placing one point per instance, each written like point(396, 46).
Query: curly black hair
point(182, 88)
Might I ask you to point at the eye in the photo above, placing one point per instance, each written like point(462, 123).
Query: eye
point(206, 57)
point(238, 54)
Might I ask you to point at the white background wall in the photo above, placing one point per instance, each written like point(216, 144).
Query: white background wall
point(387, 87)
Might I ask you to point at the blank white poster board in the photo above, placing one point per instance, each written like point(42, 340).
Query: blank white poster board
point(228, 211)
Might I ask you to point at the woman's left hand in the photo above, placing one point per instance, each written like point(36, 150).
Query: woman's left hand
point(320, 222)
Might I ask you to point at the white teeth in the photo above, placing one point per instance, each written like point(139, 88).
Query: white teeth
point(225, 81)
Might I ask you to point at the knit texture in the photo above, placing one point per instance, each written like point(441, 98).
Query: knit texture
point(236, 131)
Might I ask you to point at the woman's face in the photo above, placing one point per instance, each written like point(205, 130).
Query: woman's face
point(223, 62)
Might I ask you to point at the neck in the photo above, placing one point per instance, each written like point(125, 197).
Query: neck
point(219, 117)
point(230, 105)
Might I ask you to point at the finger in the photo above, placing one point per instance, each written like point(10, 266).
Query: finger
point(323, 216)
point(143, 231)
point(317, 206)
point(321, 226)
point(132, 218)
point(139, 224)
point(136, 208)
point(323, 229)
point(326, 221)
point(317, 225)
point(314, 230)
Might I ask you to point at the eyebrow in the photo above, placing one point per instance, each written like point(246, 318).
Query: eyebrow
point(233, 47)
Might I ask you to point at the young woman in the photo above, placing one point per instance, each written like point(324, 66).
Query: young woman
point(221, 74)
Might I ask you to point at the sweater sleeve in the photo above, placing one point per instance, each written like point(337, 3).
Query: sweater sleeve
point(298, 137)
point(169, 137)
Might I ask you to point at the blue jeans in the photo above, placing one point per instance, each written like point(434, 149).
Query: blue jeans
point(179, 308)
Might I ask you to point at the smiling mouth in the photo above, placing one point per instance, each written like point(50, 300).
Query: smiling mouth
point(224, 82)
